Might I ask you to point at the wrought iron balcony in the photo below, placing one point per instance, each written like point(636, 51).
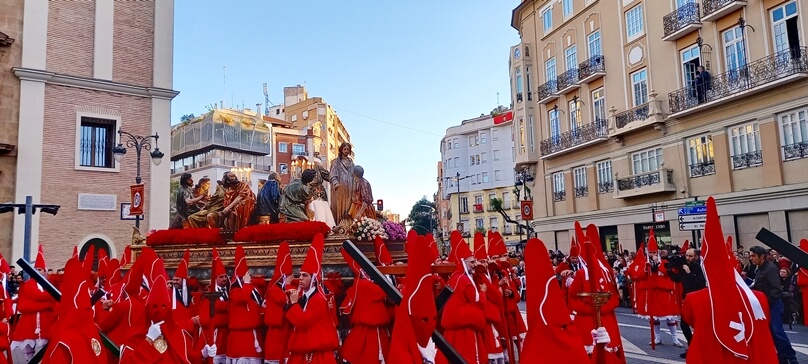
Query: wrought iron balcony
point(568, 81)
point(547, 92)
point(646, 183)
point(774, 70)
point(702, 169)
point(592, 69)
point(559, 196)
point(573, 139)
point(681, 21)
point(581, 191)
point(714, 9)
point(795, 151)
point(746, 160)
point(636, 114)
point(605, 187)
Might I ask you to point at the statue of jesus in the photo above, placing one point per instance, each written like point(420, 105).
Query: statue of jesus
point(342, 183)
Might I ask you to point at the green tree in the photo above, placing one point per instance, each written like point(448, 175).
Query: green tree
point(422, 216)
point(172, 201)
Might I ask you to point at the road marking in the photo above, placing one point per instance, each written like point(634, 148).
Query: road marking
point(652, 359)
point(629, 347)
point(679, 334)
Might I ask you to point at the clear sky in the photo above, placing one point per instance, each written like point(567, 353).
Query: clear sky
point(424, 65)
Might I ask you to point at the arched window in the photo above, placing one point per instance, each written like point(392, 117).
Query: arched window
point(99, 244)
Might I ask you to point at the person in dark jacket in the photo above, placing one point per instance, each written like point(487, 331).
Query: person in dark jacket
point(767, 280)
point(692, 278)
point(269, 198)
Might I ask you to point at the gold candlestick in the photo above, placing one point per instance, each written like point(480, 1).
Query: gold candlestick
point(598, 300)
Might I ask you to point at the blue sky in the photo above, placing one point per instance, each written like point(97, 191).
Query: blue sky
point(422, 64)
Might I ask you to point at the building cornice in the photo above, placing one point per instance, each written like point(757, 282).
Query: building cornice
point(29, 74)
point(516, 15)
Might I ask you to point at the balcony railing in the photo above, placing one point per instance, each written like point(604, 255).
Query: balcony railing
point(570, 139)
point(646, 183)
point(702, 169)
point(762, 73)
point(581, 191)
point(714, 9)
point(559, 196)
point(747, 160)
point(638, 113)
point(685, 17)
point(592, 68)
point(795, 151)
point(547, 92)
point(605, 187)
point(568, 80)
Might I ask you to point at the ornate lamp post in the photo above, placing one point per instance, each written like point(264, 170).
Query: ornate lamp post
point(742, 24)
point(457, 180)
point(139, 143)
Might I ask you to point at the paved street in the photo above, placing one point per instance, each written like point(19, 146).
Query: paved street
point(636, 336)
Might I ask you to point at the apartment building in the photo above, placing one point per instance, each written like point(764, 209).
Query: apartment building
point(88, 69)
point(314, 114)
point(223, 140)
point(627, 128)
point(293, 149)
point(477, 166)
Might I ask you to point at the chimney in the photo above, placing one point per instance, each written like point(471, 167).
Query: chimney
point(260, 110)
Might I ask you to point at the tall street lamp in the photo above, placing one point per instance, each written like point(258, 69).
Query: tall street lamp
point(457, 180)
point(434, 215)
point(139, 143)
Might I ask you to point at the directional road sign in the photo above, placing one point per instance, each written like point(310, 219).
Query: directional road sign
point(692, 218)
point(694, 203)
point(693, 210)
point(691, 226)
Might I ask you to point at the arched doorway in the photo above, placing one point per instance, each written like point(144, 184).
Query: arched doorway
point(99, 244)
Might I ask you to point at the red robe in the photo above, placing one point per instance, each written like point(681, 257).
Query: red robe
point(221, 321)
point(705, 348)
point(463, 321)
point(585, 319)
point(120, 319)
point(278, 328)
point(370, 319)
point(494, 318)
point(314, 338)
point(35, 306)
point(244, 338)
point(657, 294)
point(5, 329)
point(77, 341)
point(180, 349)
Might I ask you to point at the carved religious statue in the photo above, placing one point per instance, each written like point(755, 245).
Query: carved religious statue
point(342, 183)
point(296, 196)
point(362, 200)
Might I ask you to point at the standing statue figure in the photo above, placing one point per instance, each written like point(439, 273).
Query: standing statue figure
point(342, 186)
point(269, 198)
point(239, 202)
point(362, 201)
point(319, 207)
point(296, 197)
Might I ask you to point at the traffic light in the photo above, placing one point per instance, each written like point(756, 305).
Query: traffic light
point(380, 205)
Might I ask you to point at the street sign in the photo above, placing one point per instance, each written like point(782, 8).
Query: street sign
point(659, 216)
point(693, 210)
point(692, 218)
point(691, 226)
point(694, 203)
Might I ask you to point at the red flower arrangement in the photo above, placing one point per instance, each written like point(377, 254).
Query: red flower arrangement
point(206, 236)
point(293, 231)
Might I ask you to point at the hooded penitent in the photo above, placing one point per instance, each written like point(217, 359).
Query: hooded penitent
point(314, 257)
point(416, 315)
point(283, 264)
point(40, 260)
point(383, 257)
point(434, 253)
point(552, 336)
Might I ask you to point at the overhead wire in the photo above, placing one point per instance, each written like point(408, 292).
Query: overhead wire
point(387, 122)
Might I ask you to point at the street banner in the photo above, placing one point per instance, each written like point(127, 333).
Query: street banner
point(527, 210)
point(138, 200)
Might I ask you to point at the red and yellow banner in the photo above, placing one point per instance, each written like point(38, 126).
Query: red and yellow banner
point(138, 200)
point(527, 210)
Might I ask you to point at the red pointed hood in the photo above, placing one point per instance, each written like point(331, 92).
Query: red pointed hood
point(103, 262)
point(158, 304)
point(410, 234)
point(653, 247)
point(40, 260)
point(552, 336)
point(75, 252)
point(75, 289)
point(434, 252)
point(419, 298)
point(352, 263)
point(89, 258)
point(460, 249)
point(480, 251)
point(685, 247)
point(5, 269)
point(637, 267)
point(217, 267)
point(575, 249)
point(241, 268)
point(182, 269)
point(126, 257)
point(314, 257)
point(733, 306)
point(113, 272)
point(500, 249)
point(383, 257)
point(283, 263)
point(134, 277)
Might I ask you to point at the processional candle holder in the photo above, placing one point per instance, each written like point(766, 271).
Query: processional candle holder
point(598, 300)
